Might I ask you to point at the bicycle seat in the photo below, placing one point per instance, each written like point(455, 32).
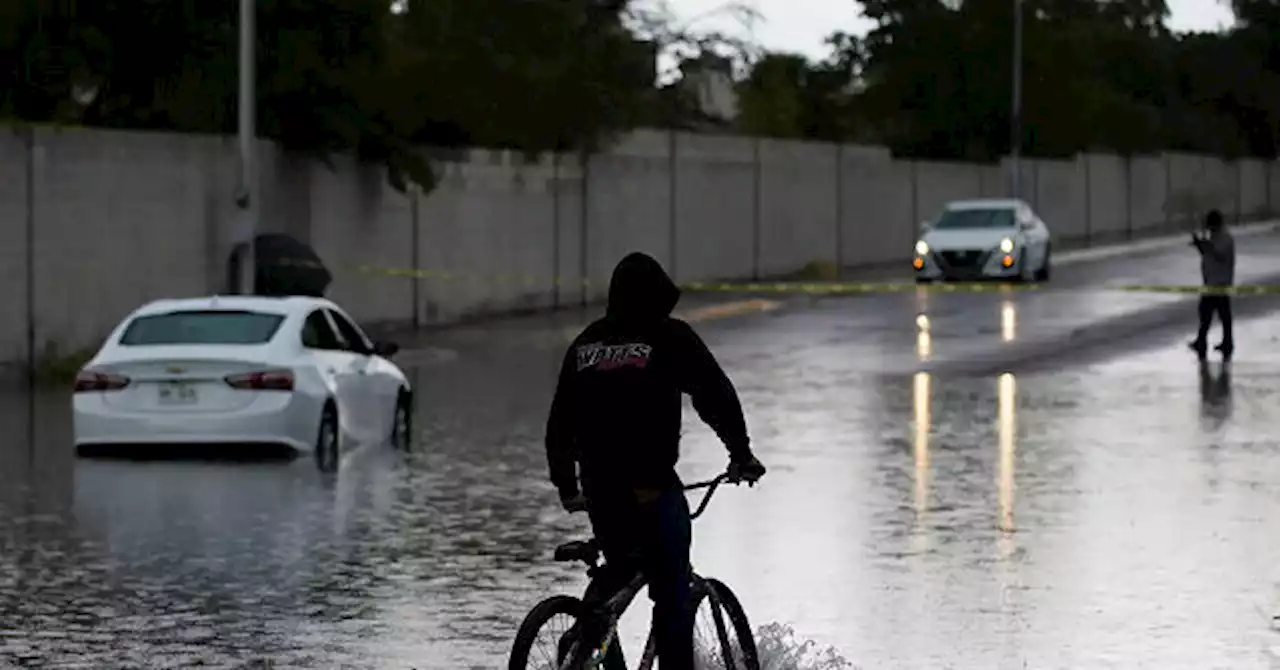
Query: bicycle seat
point(586, 551)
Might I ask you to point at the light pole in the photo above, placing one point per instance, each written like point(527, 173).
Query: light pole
point(29, 140)
point(1015, 117)
point(246, 193)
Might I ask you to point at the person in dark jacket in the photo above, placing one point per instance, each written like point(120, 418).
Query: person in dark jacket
point(616, 416)
point(1218, 270)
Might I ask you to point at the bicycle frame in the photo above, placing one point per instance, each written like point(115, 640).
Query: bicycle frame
point(614, 607)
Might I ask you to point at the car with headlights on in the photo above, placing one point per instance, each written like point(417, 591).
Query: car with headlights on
point(246, 371)
point(984, 239)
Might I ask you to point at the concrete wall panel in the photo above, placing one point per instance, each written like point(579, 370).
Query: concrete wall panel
point(798, 205)
point(125, 217)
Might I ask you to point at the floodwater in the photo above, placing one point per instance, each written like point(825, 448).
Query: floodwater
point(1109, 510)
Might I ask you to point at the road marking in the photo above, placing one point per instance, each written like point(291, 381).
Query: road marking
point(728, 309)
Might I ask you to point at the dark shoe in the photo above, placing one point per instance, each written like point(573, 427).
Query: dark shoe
point(1199, 348)
point(1225, 350)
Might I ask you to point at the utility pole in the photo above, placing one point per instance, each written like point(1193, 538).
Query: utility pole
point(247, 191)
point(1015, 117)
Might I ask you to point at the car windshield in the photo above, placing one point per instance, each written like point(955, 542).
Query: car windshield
point(975, 218)
point(202, 327)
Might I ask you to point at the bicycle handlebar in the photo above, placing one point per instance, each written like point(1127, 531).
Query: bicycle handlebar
point(711, 485)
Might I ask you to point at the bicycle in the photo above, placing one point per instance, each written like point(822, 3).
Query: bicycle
point(590, 642)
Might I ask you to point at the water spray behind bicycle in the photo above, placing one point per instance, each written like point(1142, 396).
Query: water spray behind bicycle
point(781, 650)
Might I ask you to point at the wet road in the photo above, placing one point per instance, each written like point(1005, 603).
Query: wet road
point(1108, 506)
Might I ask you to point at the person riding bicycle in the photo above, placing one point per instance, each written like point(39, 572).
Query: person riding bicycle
point(616, 415)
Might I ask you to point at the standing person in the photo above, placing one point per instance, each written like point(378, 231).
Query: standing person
point(1218, 270)
point(617, 416)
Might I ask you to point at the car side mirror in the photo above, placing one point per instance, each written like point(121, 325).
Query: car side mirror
point(385, 349)
point(925, 226)
point(1026, 225)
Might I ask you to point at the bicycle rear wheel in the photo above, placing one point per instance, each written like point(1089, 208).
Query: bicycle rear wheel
point(548, 635)
point(722, 635)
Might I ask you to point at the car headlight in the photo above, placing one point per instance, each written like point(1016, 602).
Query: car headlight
point(1006, 245)
point(922, 248)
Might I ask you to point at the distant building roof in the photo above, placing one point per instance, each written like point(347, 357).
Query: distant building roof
point(709, 78)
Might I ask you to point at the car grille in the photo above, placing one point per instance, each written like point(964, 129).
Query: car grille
point(964, 259)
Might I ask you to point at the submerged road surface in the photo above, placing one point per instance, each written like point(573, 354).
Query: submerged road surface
point(1108, 505)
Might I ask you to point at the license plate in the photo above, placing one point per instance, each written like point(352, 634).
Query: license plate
point(177, 393)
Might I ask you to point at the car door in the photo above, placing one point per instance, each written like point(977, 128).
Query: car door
point(372, 423)
point(384, 378)
point(336, 364)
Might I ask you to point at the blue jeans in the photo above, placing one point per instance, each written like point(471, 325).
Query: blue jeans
point(654, 538)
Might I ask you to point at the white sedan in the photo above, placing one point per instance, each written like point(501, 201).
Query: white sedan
point(984, 239)
point(292, 372)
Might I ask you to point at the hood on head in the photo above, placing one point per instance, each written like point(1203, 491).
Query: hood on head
point(1213, 220)
point(641, 290)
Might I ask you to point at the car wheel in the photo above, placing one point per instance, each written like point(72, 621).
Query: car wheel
point(1047, 266)
point(402, 424)
point(328, 441)
point(1026, 274)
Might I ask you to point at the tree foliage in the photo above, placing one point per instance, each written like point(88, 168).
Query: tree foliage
point(336, 75)
point(934, 79)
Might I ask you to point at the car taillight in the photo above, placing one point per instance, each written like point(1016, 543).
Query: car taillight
point(89, 381)
point(265, 380)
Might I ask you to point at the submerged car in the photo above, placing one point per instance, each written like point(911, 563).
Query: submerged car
point(248, 371)
point(984, 239)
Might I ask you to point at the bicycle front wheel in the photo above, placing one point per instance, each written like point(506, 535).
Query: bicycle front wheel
point(551, 632)
point(722, 636)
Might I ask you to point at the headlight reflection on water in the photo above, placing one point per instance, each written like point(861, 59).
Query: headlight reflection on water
point(924, 340)
point(921, 402)
point(1006, 429)
point(779, 645)
point(1008, 321)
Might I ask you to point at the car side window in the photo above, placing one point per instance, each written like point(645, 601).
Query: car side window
point(356, 341)
point(318, 334)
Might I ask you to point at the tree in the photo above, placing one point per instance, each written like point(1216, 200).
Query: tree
point(772, 97)
point(785, 95)
point(339, 75)
point(525, 75)
point(934, 79)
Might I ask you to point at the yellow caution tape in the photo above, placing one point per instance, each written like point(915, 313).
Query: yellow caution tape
point(966, 287)
point(1254, 289)
point(851, 287)
point(447, 275)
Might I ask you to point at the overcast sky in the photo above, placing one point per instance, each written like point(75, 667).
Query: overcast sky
point(801, 25)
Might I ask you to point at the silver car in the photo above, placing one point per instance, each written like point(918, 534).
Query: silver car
point(984, 239)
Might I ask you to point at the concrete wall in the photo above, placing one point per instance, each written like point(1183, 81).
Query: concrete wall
point(120, 218)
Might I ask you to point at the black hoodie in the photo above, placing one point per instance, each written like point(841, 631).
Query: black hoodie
point(617, 407)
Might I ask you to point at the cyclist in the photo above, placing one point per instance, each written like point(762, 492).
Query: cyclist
point(617, 416)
